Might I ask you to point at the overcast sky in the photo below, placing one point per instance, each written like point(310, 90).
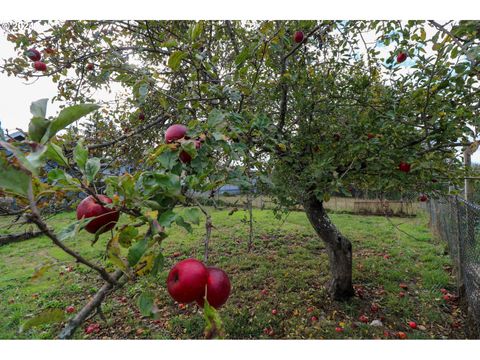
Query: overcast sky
point(16, 95)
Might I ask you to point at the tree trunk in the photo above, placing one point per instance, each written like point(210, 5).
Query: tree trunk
point(12, 238)
point(339, 249)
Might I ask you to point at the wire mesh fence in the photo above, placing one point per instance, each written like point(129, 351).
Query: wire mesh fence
point(457, 221)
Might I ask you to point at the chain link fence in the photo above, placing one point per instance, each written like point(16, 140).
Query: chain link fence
point(457, 222)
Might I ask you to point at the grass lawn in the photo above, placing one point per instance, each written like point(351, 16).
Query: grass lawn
point(288, 261)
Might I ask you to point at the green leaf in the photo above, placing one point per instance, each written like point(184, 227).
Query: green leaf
point(92, 167)
point(126, 235)
point(175, 59)
point(145, 303)
point(114, 254)
point(37, 128)
point(40, 271)
point(167, 218)
point(13, 180)
point(80, 155)
point(423, 34)
point(66, 117)
point(158, 264)
point(180, 221)
point(55, 153)
point(20, 157)
point(196, 30)
point(72, 229)
point(136, 251)
point(39, 108)
point(215, 118)
point(46, 317)
point(168, 159)
point(38, 158)
point(213, 322)
point(192, 215)
point(59, 176)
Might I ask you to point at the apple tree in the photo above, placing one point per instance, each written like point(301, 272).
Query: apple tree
point(371, 105)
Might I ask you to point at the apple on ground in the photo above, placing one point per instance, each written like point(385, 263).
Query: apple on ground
point(175, 132)
point(187, 280)
point(218, 288)
point(274, 312)
point(363, 319)
point(401, 294)
point(401, 335)
point(40, 66)
point(104, 218)
point(90, 67)
point(412, 324)
point(313, 319)
point(33, 54)
point(70, 309)
point(339, 329)
point(404, 167)
point(298, 36)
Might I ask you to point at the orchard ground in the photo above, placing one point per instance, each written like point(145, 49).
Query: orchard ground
point(286, 271)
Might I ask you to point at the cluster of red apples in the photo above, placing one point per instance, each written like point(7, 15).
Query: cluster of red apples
point(36, 57)
point(177, 132)
point(190, 280)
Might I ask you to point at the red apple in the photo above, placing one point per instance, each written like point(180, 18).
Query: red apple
point(274, 312)
point(401, 294)
point(374, 307)
point(363, 319)
point(175, 132)
point(264, 292)
point(141, 116)
point(90, 67)
point(187, 280)
point(412, 324)
point(40, 66)
point(423, 198)
point(70, 309)
point(313, 319)
point(404, 166)
point(310, 309)
point(218, 288)
point(185, 157)
point(401, 57)
point(105, 218)
point(339, 329)
point(444, 291)
point(401, 335)
point(34, 54)
point(92, 328)
point(298, 37)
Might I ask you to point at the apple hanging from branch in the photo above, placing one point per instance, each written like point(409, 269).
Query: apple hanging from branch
point(104, 218)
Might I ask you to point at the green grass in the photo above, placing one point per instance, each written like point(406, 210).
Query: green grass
point(288, 260)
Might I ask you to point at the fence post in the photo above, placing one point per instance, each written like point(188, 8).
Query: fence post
point(459, 255)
